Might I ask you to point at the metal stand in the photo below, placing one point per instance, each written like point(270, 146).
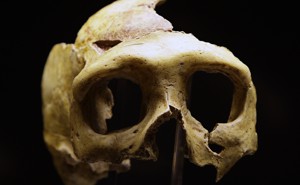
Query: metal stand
point(178, 157)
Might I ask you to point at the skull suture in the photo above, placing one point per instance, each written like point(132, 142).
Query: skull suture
point(127, 39)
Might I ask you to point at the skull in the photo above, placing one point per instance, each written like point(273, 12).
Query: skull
point(128, 40)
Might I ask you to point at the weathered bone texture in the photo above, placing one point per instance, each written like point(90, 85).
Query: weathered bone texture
point(127, 39)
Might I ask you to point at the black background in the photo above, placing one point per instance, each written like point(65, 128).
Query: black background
point(263, 36)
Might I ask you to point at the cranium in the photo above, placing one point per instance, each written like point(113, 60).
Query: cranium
point(127, 39)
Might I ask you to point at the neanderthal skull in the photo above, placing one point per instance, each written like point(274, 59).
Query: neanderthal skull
point(128, 40)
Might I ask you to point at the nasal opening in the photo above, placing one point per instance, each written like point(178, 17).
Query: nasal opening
point(149, 172)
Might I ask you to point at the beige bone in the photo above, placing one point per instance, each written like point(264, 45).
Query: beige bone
point(114, 43)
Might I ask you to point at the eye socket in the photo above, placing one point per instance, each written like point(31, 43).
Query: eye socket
point(112, 105)
point(210, 98)
point(127, 104)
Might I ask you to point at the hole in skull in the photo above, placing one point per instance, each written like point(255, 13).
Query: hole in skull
point(106, 44)
point(127, 104)
point(210, 98)
point(215, 147)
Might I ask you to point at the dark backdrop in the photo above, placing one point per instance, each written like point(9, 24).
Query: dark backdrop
point(261, 34)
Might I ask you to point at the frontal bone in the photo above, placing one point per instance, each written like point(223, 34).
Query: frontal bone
point(78, 101)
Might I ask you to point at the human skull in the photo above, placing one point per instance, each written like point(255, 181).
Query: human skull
point(127, 39)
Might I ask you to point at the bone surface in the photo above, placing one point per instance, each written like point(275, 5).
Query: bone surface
point(128, 39)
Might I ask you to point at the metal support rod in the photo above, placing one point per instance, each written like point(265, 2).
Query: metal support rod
point(178, 157)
